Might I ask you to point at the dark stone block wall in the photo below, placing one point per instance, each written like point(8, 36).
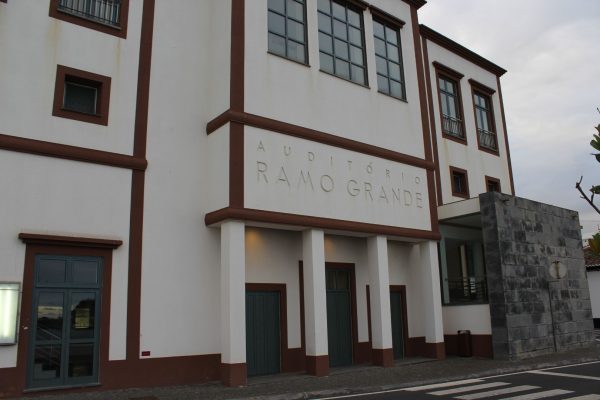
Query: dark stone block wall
point(531, 312)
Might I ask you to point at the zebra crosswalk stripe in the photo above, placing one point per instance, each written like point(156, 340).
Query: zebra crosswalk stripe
point(540, 395)
point(441, 385)
point(472, 388)
point(497, 392)
point(585, 397)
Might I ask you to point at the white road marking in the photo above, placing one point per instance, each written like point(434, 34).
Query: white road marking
point(539, 395)
point(473, 388)
point(441, 385)
point(585, 397)
point(497, 392)
point(571, 365)
point(591, 378)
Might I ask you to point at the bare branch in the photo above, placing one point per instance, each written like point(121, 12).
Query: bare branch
point(584, 196)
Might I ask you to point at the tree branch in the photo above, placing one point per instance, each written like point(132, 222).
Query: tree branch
point(584, 196)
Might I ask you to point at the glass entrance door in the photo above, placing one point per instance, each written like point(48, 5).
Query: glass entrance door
point(63, 349)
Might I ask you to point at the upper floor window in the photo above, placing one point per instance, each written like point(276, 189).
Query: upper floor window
point(108, 16)
point(81, 95)
point(388, 56)
point(287, 29)
point(492, 184)
point(448, 81)
point(341, 41)
point(459, 182)
point(484, 117)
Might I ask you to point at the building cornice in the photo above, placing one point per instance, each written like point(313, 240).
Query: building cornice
point(460, 50)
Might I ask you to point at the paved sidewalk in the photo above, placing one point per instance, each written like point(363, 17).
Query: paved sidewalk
point(346, 381)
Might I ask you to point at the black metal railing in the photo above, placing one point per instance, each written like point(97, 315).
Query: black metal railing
point(452, 126)
point(472, 289)
point(103, 11)
point(487, 139)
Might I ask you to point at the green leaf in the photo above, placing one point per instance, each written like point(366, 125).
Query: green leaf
point(595, 189)
point(597, 157)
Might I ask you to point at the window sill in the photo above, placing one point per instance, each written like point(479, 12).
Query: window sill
point(490, 151)
point(461, 195)
point(393, 97)
point(346, 80)
point(81, 116)
point(119, 31)
point(454, 138)
point(466, 303)
point(288, 59)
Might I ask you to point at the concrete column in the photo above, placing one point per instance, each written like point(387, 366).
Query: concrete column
point(381, 325)
point(315, 302)
point(432, 301)
point(233, 304)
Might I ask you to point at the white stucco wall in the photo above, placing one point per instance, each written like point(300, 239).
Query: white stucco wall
point(475, 318)
point(285, 90)
point(187, 177)
point(478, 163)
point(36, 43)
point(52, 196)
point(594, 285)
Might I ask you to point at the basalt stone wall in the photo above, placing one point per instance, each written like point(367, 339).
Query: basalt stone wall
point(531, 312)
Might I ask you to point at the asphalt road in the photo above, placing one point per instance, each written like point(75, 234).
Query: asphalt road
point(575, 382)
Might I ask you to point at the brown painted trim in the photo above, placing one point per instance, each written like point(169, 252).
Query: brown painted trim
point(436, 159)
point(317, 365)
point(279, 288)
point(481, 87)
point(57, 150)
point(359, 4)
point(494, 180)
point(50, 245)
point(316, 222)
point(475, 89)
point(424, 120)
point(388, 18)
point(460, 50)
point(481, 345)
point(415, 3)
point(54, 240)
point(136, 218)
point(316, 136)
point(120, 31)
point(510, 171)
point(100, 82)
point(236, 88)
point(302, 321)
point(383, 357)
point(234, 375)
point(435, 350)
point(466, 174)
point(452, 73)
point(236, 165)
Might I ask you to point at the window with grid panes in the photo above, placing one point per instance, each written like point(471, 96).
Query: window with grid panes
point(287, 29)
point(341, 41)
point(390, 76)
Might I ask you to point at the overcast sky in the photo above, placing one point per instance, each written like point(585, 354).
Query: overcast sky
point(551, 49)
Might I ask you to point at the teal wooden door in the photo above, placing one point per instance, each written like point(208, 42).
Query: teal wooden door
point(263, 336)
point(63, 349)
point(396, 309)
point(339, 317)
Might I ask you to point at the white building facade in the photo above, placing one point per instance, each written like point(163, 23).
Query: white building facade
point(211, 190)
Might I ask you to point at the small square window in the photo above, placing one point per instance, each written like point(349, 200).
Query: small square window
point(460, 182)
point(492, 184)
point(81, 95)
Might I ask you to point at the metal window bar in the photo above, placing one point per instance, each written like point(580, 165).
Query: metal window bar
point(471, 289)
point(106, 12)
point(487, 139)
point(452, 126)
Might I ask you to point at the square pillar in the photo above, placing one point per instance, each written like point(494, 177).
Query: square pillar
point(233, 304)
point(381, 325)
point(432, 300)
point(315, 302)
